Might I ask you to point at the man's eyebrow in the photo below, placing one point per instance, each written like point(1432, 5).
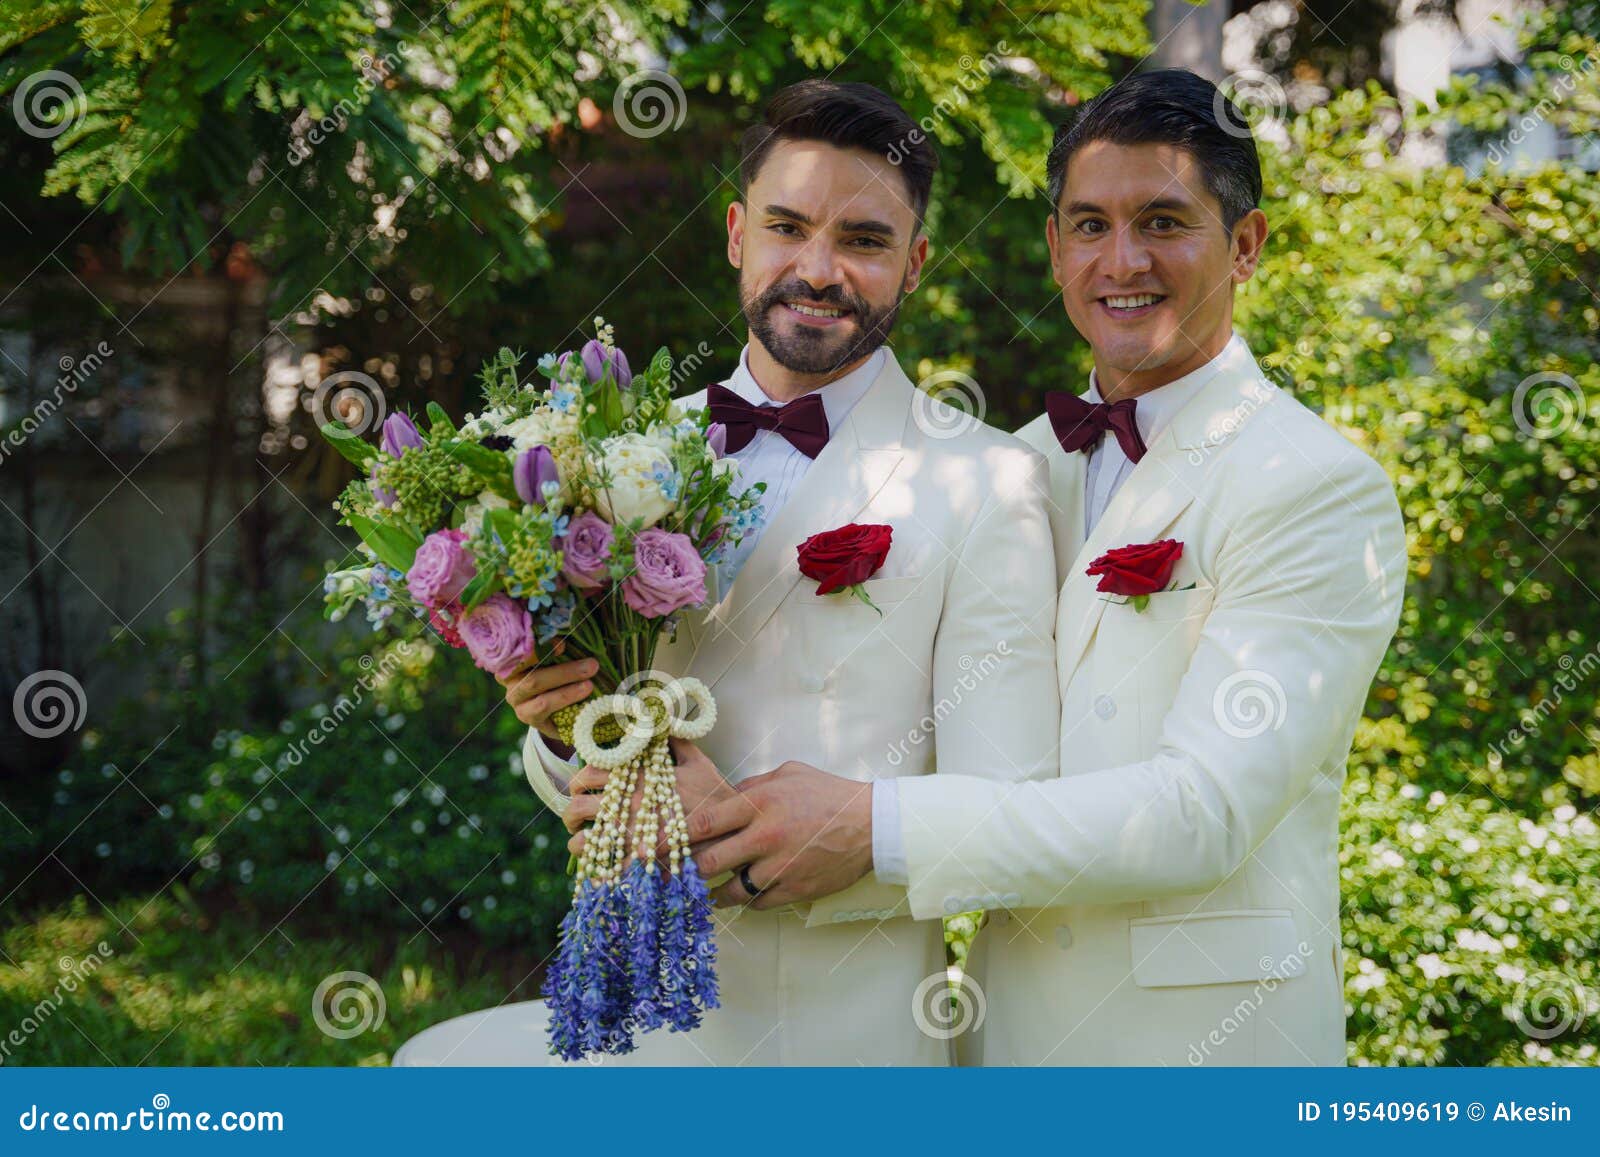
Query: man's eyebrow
point(789, 214)
point(862, 225)
point(867, 225)
point(1170, 204)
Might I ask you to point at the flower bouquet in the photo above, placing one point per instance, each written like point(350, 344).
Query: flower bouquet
point(576, 516)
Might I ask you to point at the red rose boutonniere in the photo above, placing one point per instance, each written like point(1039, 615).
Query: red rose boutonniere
point(1138, 570)
point(845, 558)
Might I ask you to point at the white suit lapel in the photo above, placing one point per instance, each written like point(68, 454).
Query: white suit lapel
point(857, 461)
point(1158, 491)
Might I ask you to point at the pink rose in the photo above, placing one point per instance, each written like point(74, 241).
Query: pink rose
point(442, 569)
point(498, 633)
point(668, 574)
point(586, 551)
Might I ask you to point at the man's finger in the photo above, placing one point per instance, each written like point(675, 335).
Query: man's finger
point(580, 810)
point(727, 855)
point(589, 779)
point(541, 679)
point(575, 844)
point(684, 750)
point(711, 821)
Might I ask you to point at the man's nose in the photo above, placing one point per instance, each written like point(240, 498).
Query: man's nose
point(1128, 255)
point(816, 265)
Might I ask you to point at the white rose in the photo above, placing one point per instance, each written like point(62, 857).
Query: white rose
point(534, 430)
point(472, 515)
point(643, 483)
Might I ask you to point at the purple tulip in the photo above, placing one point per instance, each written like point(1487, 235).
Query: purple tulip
point(597, 359)
point(399, 435)
point(717, 438)
point(594, 359)
point(532, 471)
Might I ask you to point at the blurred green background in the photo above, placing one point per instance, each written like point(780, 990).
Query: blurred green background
point(212, 210)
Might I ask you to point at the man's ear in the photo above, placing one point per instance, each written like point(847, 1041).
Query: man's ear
point(736, 234)
point(915, 260)
point(1249, 237)
point(1052, 237)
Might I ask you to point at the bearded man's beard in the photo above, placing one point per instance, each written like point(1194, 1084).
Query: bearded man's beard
point(808, 350)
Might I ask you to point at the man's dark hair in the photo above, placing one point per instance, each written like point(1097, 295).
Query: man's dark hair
point(1169, 106)
point(847, 116)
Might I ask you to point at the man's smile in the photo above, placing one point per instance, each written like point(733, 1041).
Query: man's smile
point(1125, 306)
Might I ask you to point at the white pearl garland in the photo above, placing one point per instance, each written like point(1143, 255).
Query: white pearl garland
point(641, 761)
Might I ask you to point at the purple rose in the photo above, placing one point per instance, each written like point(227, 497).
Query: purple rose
point(442, 568)
point(384, 494)
point(498, 633)
point(597, 358)
point(534, 468)
point(586, 551)
point(717, 439)
point(399, 435)
point(668, 574)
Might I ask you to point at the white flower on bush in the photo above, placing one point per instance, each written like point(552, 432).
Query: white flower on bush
point(642, 482)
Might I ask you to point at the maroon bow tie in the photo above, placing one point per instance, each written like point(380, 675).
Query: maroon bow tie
point(1079, 425)
point(803, 421)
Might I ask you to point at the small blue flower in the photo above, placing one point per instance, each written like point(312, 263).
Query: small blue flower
point(563, 398)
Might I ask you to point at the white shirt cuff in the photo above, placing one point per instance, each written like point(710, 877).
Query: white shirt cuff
point(888, 848)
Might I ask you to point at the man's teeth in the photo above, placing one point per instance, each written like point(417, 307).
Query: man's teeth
point(812, 311)
point(1133, 302)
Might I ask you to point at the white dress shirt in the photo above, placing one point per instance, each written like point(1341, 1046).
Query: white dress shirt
point(1109, 467)
point(771, 458)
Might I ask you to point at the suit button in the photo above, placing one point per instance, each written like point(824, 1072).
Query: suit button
point(1105, 707)
point(1064, 936)
point(812, 684)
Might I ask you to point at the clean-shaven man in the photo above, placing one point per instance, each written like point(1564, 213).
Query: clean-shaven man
point(1173, 897)
point(828, 239)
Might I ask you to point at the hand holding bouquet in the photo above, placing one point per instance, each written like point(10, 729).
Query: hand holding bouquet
point(578, 514)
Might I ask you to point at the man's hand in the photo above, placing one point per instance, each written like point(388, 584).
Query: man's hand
point(801, 832)
point(700, 787)
point(536, 693)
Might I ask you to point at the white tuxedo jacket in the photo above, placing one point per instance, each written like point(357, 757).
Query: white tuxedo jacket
point(1173, 897)
point(959, 671)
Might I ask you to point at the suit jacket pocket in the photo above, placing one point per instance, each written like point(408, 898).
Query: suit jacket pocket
point(885, 592)
point(1222, 947)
